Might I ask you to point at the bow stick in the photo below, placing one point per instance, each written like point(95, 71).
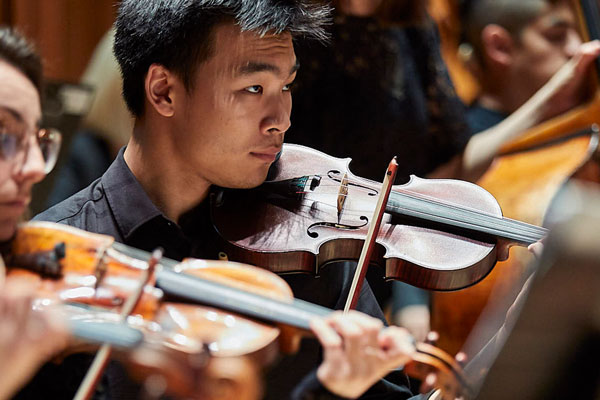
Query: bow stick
point(93, 374)
point(367, 250)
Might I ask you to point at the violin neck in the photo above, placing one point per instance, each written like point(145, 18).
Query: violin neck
point(460, 220)
point(113, 333)
point(296, 313)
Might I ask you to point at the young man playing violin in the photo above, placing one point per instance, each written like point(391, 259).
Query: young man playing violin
point(26, 154)
point(209, 85)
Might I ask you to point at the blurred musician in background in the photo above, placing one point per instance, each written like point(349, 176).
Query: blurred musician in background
point(516, 46)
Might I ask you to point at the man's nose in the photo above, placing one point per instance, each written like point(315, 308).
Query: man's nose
point(277, 119)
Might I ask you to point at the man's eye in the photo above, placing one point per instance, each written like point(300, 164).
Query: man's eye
point(254, 89)
point(288, 87)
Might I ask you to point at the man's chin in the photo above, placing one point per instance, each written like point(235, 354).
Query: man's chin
point(249, 182)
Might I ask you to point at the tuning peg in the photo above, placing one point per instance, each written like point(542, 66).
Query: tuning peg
point(432, 338)
point(461, 358)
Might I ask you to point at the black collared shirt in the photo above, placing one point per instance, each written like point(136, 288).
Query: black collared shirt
point(117, 205)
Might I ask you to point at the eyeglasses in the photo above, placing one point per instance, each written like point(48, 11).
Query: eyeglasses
point(15, 141)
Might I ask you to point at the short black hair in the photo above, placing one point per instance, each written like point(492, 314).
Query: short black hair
point(178, 33)
point(21, 54)
point(512, 15)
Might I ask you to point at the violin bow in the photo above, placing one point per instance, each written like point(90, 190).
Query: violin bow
point(93, 374)
point(367, 250)
point(2, 271)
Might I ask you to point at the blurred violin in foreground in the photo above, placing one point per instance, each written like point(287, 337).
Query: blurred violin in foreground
point(205, 352)
point(188, 350)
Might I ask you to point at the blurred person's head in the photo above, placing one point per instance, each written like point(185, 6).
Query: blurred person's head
point(208, 80)
point(393, 12)
point(518, 45)
point(26, 152)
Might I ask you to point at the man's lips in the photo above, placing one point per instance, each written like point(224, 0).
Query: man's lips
point(267, 155)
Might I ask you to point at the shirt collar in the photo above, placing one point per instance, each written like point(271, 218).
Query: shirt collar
point(126, 197)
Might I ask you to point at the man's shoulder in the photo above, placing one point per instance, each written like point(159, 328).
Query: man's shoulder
point(82, 210)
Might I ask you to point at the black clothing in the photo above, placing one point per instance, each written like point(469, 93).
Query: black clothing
point(481, 118)
point(375, 92)
point(117, 205)
point(89, 156)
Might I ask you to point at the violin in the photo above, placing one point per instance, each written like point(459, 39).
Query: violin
point(436, 234)
point(196, 352)
point(93, 273)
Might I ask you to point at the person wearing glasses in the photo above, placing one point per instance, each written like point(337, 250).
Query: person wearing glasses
point(27, 154)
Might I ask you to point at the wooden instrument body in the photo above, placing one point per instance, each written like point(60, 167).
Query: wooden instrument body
point(198, 351)
point(302, 235)
point(194, 351)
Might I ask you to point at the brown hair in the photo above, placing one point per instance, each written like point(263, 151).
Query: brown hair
point(21, 54)
point(397, 12)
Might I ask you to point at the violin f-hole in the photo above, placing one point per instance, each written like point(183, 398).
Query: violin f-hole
point(310, 230)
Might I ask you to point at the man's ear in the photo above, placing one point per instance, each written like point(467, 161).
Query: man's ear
point(159, 87)
point(498, 45)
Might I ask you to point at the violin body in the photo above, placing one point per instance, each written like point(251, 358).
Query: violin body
point(292, 224)
point(195, 349)
point(203, 326)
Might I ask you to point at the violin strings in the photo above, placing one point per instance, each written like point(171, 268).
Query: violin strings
point(476, 215)
point(481, 222)
point(466, 217)
point(510, 225)
point(481, 215)
point(464, 223)
point(310, 212)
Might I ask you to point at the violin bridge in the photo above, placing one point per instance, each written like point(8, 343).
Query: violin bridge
point(342, 195)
